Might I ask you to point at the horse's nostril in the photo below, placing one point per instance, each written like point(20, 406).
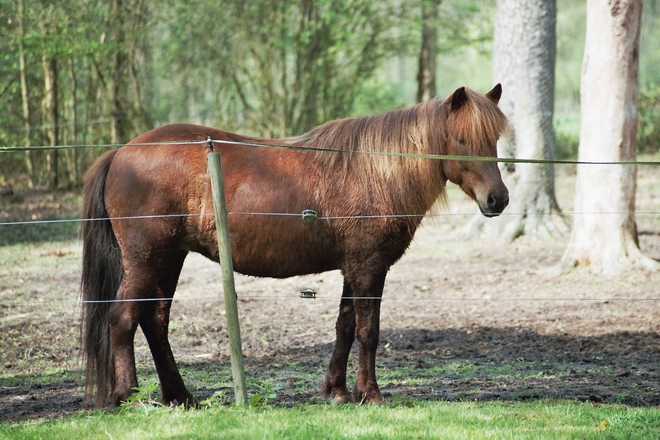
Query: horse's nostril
point(491, 201)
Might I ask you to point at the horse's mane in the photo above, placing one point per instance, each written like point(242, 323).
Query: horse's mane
point(356, 148)
point(423, 128)
point(397, 131)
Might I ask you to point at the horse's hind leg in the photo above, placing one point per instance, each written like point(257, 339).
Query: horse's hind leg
point(154, 323)
point(334, 383)
point(123, 318)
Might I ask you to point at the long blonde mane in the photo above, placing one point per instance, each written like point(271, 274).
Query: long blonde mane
point(356, 149)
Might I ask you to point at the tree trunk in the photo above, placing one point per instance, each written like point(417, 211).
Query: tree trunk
point(25, 97)
point(118, 132)
point(51, 117)
point(604, 235)
point(137, 55)
point(429, 51)
point(74, 170)
point(524, 63)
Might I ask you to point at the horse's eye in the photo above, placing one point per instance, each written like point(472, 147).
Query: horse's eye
point(461, 142)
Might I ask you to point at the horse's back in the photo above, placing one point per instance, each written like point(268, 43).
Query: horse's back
point(163, 178)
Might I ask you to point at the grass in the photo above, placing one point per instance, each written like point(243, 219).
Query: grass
point(527, 416)
point(539, 419)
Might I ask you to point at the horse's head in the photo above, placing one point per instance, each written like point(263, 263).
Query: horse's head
point(474, 124)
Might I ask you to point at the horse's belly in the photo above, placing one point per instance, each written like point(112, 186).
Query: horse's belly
point(276, 247)
point(280, 268)
point(282, 257)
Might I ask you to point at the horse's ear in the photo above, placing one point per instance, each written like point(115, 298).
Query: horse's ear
point(495, 94)
point(458, 98)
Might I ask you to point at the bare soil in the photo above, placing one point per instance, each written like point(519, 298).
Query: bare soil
point(472, 320)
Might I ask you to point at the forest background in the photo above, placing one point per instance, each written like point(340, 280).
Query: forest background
point(93, 72)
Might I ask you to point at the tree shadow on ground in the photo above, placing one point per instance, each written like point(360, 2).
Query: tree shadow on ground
point(484, 364)
point(476, 364)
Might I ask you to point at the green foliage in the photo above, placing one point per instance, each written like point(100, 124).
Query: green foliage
point(571, 31)
point(275, 68)
point(649, 48)
point(566, 145)
point(142, 399)
point(567, 128)
point(378, 94)
point(648, 131)
point(93, 50)
point(259, 67)
point(217, 399)
point(567, 137)
point(267, 393)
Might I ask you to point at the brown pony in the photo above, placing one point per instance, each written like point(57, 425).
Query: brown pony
point(343, 176)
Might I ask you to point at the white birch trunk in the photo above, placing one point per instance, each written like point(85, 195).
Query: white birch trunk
point(524, 63)
point(604, 235)
point(525, 58)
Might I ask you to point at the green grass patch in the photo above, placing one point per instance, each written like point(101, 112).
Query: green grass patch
point(539, 419)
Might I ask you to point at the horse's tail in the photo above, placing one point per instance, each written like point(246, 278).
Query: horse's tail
point(101, 275)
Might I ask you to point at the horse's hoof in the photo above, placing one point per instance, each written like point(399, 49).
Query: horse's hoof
point(340, 394)
point(368, 396)
point(341, 399)
point(185, 399)
point(371, 398)
point(190, 403)
point(118, 398)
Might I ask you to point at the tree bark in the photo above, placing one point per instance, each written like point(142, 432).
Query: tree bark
point(25, 97)
point(118, 134)
point(51, 115)
point(604, 235)
point(429, 51)
point(74, 170)
point(525, 63)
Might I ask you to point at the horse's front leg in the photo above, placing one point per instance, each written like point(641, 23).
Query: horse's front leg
point(367, 285)
point(368, 332)
point(334, 384)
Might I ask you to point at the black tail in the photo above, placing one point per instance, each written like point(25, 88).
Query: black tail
point(102, 272)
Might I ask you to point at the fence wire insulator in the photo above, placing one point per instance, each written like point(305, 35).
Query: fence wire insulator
point(308, 293)
point(309, 216)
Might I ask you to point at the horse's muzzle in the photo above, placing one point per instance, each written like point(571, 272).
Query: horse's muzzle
point(494, 204)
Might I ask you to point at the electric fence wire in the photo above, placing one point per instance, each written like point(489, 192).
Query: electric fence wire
point(304, 148)
point(338, 151)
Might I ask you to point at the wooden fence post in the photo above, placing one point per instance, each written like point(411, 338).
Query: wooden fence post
point(224, 251)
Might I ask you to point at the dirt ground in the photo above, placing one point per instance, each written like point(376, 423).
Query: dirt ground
point(473, 320)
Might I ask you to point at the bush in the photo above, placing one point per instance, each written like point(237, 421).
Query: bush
point(566, 145)
point(648, 129)
point(567, 137)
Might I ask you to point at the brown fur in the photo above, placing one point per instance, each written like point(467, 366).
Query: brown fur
point(344, 176)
